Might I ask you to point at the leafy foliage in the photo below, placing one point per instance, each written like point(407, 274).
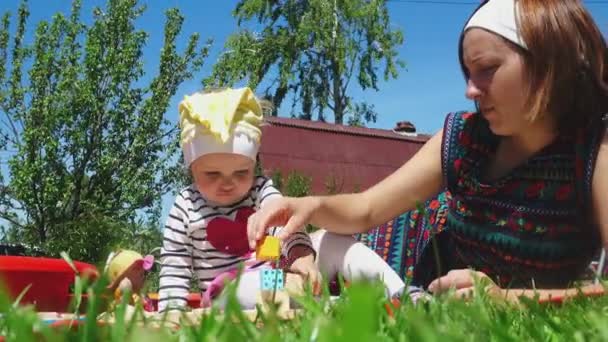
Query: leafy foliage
point(312, 49)
point(91, 151)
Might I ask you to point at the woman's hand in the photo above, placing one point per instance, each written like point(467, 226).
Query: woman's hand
point(291, 213)
point(463, 281)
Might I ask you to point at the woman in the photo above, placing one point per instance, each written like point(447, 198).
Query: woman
point(523, 181)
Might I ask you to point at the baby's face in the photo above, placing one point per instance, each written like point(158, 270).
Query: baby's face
point(223, 178)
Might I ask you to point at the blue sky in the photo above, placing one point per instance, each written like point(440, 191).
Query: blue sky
point(430, 86)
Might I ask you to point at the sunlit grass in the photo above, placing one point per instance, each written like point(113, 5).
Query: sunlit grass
point(359, 314)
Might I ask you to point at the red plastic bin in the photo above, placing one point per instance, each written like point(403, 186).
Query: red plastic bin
point(50, 280)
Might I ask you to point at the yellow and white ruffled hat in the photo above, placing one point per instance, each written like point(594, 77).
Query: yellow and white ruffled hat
point(226, 121)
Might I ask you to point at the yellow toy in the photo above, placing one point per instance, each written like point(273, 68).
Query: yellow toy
point(269, 249)
point(126, 271)
point(275, 289)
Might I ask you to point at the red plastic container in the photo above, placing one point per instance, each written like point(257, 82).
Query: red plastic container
point(51, 280)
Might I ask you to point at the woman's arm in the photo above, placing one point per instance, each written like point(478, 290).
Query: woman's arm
point(553, 295)
point(414, 182)
point(600, 190)
point(463, 282)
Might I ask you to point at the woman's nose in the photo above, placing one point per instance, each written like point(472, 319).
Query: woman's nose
point(472, 92)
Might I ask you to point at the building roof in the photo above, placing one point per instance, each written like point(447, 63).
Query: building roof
point(350, 158)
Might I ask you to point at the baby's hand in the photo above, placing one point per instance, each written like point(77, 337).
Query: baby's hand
point(306, 267)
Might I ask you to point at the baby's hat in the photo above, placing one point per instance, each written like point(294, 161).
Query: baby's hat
point(223, 121)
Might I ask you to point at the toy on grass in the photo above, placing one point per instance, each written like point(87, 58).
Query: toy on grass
point(272, 281)
point(269, 249)
point(126, 271)
point(275, 286)
point(273, 292)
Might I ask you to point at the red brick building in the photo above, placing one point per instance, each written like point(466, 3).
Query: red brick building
point(352, 158)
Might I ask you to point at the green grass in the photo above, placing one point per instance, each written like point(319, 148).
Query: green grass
point(359, 315)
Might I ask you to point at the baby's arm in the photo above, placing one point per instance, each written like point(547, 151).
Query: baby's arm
point(176, 259)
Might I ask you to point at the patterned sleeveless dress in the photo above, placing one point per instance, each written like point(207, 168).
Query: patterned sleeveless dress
point(530, 228)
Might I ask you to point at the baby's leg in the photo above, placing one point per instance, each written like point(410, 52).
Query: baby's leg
point(247, 290)
point(342, 254)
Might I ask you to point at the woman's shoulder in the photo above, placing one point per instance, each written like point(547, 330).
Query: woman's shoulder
point(466, 128)
point(464, 119)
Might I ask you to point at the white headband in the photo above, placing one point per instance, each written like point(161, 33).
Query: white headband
point(500, 17)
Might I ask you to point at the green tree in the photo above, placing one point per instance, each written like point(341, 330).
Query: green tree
point(90, 151)
point(312, 49)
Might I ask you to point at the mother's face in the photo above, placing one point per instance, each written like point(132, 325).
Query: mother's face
point(496, 80)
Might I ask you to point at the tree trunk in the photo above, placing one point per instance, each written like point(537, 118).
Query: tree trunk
point(338, 101)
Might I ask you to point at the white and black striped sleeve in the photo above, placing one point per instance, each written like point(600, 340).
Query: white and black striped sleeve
point(295, 239)
point(265, 191)
point(175, 259)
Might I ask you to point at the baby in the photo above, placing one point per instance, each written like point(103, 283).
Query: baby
point(206, 231)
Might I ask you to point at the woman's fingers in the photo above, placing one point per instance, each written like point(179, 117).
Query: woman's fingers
point(455, 279)
point(274, 214)
point(465, 293)
point(288, 213)
point(252, 231)
point(294, 224)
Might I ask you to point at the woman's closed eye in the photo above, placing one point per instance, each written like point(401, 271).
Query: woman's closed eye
point(482, 76)
point(485, 72)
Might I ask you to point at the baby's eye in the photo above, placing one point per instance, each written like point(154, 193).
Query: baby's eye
point(242, 173)
point(212, 174)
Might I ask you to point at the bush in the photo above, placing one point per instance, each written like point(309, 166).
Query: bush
point(334, 185)
point(296, 184)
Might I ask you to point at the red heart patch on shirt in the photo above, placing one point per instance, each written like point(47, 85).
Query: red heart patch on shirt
point(229, 236)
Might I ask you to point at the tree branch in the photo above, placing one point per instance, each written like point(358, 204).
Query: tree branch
point(10, 219)
point(352, 67)
point(16, 140)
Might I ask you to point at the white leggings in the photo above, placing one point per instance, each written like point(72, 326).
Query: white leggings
point(336, 254)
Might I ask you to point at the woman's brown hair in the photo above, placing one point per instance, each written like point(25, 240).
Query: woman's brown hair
point(565, 59)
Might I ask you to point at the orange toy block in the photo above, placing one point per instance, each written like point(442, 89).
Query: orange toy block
point(269, 249)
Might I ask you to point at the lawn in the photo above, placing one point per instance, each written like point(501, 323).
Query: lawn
point(360, 314)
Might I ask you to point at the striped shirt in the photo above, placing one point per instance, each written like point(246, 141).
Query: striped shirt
point(186, 252)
